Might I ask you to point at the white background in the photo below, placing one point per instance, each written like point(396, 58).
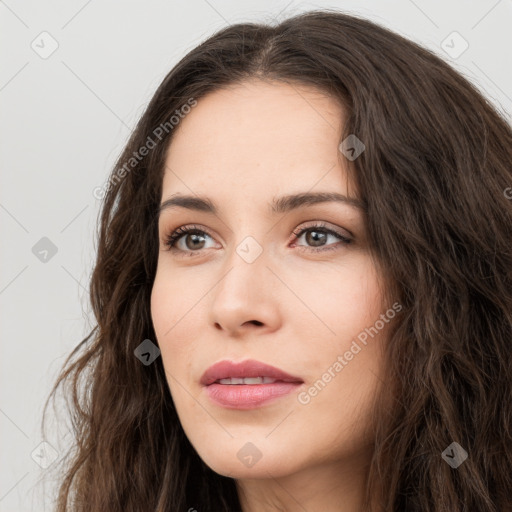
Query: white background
point(65, 119)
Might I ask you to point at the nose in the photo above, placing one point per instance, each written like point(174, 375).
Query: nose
point(246, 298)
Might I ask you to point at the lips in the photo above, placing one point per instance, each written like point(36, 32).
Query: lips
point(249, 369)
point(247, 385)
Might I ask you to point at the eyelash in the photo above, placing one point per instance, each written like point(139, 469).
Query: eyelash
point(172, 238)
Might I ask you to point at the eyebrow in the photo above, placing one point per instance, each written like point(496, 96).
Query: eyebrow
point(279, 205)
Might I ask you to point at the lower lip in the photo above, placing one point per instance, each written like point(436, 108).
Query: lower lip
point(248, 396)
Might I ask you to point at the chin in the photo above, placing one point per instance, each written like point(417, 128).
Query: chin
point(245, 460)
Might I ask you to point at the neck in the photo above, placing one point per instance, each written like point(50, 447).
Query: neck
point(333, 487)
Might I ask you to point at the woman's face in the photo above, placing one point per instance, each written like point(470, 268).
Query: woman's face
point(244, 287)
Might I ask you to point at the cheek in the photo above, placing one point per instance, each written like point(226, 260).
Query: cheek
point(169, 315)
point(169, 321)
point(344, 297)
point(161, 306)
point(361, 303)
point(342, 370)
point(170, 300)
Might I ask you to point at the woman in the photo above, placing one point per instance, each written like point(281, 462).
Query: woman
point(303, 286)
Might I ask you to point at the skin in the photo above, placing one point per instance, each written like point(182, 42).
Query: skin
point(241, 147)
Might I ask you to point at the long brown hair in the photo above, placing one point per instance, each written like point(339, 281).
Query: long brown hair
point(437, 162)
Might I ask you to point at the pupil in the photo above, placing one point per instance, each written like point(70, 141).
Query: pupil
point(196, 238)
point(313, 237)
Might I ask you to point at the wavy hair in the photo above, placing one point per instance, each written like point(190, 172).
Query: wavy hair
point(433, 179)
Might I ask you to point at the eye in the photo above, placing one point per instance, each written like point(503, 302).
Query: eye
point(192, 236)
point(318, 234)
point(190, 240)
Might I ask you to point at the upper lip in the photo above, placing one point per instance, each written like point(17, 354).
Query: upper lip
point(249, 368)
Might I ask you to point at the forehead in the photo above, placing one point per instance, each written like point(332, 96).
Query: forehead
point(258, 138)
